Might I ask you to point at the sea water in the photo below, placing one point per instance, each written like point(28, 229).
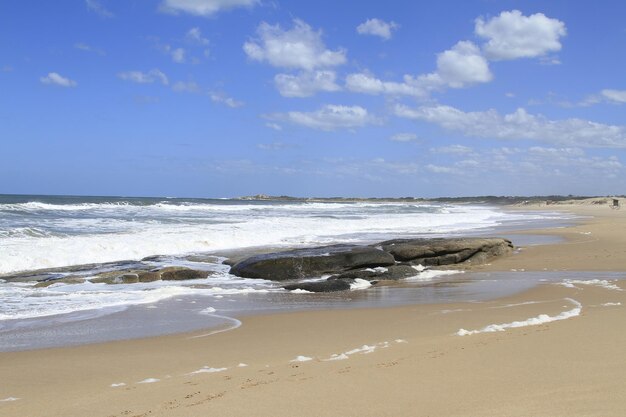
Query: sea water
point(39, 232)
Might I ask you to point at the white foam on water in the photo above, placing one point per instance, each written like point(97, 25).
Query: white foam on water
point(300, 291)
point(533, 321)
point(571, 283)
point(431, 274)
point(400, 341)
point(207, 370)
point(380, 269)
point(8, 399)
point(26, 301)
point(525, 303)
point(360, 284)
point(149, 381)
point(112, 231)
point(234, 324)
point(208, 310)
point(611, 304)
point(419, 267)
point(242, 365)
point(301, 359)
point(119, 384)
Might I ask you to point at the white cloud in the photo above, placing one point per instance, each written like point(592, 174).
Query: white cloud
point(519, 125)
point(274, 146)
point(149, 77)
point(404, 137)
point(306, 83)
point(221, 98)
point(368, 84)
point(274, 126)
point(377, 27)
point(460, 66)
point(616, 96)
point(438, 169)
point(300, 47)
point(97, 7)
point(329, 117)
point(512, 35)
point(452, 149)
point(195, 35)
point(178, 55)
point(54, 78)
point(204, 8)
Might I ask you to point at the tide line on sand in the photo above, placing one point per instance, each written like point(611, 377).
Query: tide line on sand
point(533, 321)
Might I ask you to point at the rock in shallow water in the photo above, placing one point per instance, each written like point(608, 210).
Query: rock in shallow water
point(305, 263)
point(443, 251)
point(321, 286)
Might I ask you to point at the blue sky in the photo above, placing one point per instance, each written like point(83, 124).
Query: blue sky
point(222, 98)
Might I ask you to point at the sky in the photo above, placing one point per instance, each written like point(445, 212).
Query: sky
point(225, 98)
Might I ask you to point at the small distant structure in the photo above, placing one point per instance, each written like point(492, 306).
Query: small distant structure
point(615, 205)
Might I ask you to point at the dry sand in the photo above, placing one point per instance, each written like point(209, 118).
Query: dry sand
point(419, 367)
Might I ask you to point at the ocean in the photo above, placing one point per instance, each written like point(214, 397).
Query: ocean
point(68, 236)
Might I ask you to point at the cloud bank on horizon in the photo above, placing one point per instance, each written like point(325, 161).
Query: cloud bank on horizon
point(232, 97)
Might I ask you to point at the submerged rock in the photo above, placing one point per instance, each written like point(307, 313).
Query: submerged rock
point(443, 251)
point(305, 263)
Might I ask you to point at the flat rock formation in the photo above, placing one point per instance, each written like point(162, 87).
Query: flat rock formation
point(311, 262)
point(389, 260)
point(444, 251)
point(132, 276)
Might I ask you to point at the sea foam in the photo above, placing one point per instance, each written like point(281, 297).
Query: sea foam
point(533, 321)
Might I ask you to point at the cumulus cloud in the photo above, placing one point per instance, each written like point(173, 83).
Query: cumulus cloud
point(154, 75)
point(377, 27)
point(368, 84)
point(299, 47)
point(306, 83)
point(519, 125)
point(404, 137)
point(616, 96)
point(329, 117)
point(458, 67)
point(96, 7)
point(204, 8)
point(512, 35)
point(54, 78)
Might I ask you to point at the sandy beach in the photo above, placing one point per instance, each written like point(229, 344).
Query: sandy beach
point(400, 361)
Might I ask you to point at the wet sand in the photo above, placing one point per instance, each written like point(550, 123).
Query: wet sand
point(417, 365)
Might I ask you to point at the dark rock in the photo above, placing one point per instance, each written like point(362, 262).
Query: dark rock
point(65, 280)
point(393, 272)
point(170, 273)
point(429, 252)
point(207, 259)
point(177, 273)
point(304, 263)
point(322, 286)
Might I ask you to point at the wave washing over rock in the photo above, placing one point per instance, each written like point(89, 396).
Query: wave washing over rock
point(87, 257)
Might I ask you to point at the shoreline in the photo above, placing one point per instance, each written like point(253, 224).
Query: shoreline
point(566, 367)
